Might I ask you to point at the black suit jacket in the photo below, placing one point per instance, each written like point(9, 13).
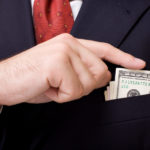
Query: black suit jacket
point(89, 123)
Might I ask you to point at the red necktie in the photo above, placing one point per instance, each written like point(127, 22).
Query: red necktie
point(51, 18)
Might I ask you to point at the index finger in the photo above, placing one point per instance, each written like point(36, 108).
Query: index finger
point(112, 54)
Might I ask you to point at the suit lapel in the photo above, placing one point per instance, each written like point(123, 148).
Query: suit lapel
point(16, 28)
point(107, 20)
point(100, 20)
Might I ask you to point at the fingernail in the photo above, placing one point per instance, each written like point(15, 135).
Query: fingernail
point(140, 61)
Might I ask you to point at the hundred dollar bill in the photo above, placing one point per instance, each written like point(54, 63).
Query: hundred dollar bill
point(128, 83)
point(109, 93)
point(106, 97)
point(112, 92)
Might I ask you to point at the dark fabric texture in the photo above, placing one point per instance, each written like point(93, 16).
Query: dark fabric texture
point(89, 123)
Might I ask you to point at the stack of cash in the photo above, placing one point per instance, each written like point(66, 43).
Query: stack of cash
point(128, 83)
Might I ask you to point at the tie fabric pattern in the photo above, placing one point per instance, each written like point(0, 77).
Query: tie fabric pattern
point(51, 18)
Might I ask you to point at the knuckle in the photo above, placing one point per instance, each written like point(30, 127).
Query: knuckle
point(106, 81)
point(107, 46)
point(64, 47)
point(103, 71)
point(105, 68)
point(108, 77)
point(63, 51)
point(130, 58)
point(65, 36)
point(105, 49)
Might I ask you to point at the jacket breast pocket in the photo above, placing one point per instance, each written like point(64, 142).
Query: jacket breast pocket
point(126, 109)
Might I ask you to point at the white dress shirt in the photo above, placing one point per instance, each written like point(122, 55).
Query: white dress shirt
point(75, 5)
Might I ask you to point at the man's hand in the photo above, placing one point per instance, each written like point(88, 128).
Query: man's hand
point(61, 69)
